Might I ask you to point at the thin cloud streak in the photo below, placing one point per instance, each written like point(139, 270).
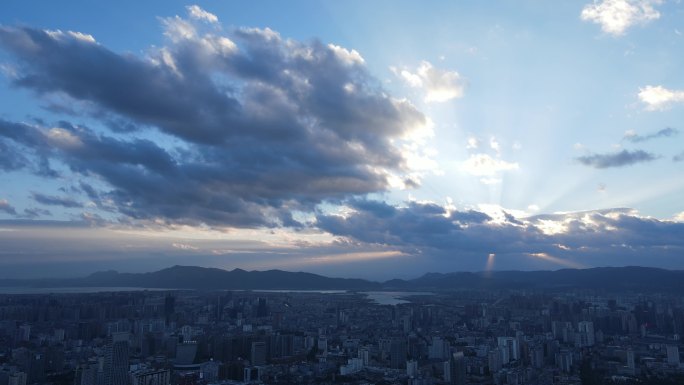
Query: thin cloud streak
point(667, 132)
point(618, 159)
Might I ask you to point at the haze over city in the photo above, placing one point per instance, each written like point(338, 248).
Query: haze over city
point(374, 140)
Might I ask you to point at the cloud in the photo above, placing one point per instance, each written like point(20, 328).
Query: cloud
point(618, 159)
point(439, 85)
point(658, 98)
point(7, 208)
point(664, 133)
point(494, 144)
point(10, 157)
point(679, 157)
point(616, 16)
point(473, 143)
point(52, 200)
point(241, 129)
point(447, 238)
point(485, 165)
point(35, 212)
point(197, 13)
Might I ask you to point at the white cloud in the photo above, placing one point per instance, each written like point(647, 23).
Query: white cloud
point(349, 57)
point(659, 97)
point(485, 165)
point(494, 144)
point(178, 29)
point(198, 13)
point(439, 85)
point(616, 16)
point(58, 34)
point(183, 246)
point(473, 143)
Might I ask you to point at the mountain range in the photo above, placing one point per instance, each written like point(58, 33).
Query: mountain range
point(202, 278)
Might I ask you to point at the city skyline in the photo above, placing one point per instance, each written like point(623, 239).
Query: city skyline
point(377, 141)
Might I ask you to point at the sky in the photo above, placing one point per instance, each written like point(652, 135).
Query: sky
point(353, 139)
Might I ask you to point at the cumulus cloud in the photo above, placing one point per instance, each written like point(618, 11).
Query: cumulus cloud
point(485, 165)
point(633, 137)
point(198, 13)
point(617, 159)
point(679, 157)
point(264, 126)
point(439, 85)
point(616, 16)
point(658, 98)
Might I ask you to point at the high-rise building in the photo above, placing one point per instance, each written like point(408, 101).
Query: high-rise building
point(17, 378)
point(364, 355)
point(169, 307)
point(398, 353)
point(439, 349)
point(630, 359)
point(116, 360)
point(262, 308)
point(564, 361)
point(585, 334)
point(412, 368)
point(258, 353)
point(673, 355)
point(511, 347)
point(457, 368)
point(494, 360)
point(186, 352)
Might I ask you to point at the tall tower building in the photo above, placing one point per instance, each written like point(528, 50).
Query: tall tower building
point(398, 353)
point(457, 368)
point(116, 360)
point(585, 334)
point(673, 355)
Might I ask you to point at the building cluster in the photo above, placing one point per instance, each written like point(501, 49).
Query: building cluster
point(245, 337)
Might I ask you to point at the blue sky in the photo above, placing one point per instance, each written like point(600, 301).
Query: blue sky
point(357, 139)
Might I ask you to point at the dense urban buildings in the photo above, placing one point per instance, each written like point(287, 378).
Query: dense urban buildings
point(341, 337)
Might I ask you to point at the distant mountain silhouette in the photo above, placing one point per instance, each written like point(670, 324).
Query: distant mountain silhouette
point(192, 277)
point(609, 278)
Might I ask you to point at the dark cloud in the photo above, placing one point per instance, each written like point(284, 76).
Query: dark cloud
point(52, 200)
point(664, 133)
point(591, 237)
point(679, 157)
point(36, 212)
point(5, 207)
point(264, 126)
point(23, 147)
point(618, 159)
point(10, 158)
point(470, 216)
